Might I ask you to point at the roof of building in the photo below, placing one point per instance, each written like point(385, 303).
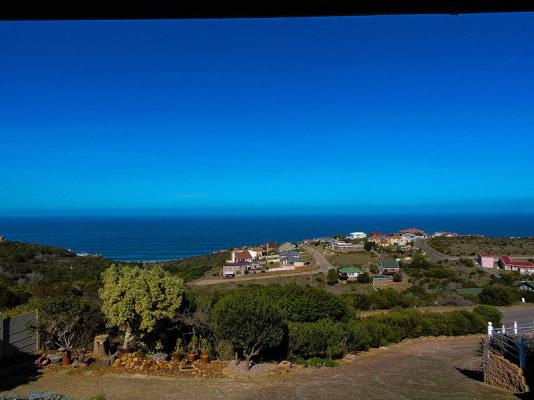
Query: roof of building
point(508, 261)
point(242, 254)
point(289, 254)
point(350, 270)
point(530, 284)
point(389, 263)
point(486, 255)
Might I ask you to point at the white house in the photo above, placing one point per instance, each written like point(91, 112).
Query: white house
point(485, 260)
point(357, 235)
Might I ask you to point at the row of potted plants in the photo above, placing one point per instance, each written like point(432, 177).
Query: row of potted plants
point(192, 349)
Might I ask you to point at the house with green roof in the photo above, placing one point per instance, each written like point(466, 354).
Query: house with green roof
point(349, 273)
point(389, 266)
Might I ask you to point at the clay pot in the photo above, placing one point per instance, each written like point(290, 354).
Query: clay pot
point(65, 356)
point(176, 358)
point(205, 358)
point(191, 357)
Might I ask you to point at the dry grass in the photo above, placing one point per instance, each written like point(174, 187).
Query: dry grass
point(362, 258)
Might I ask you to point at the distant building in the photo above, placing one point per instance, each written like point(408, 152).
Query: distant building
point(523, 267)
point(386, 239)
point(2, 239)
point(357, 235)
point(344, 246)
point(445, 234)
point(414, 231)
point(240, 267)
point(485, 260)
point(389, 266)
point(349, 273)
point(246, 255)
point(525, 286)
point(292, 258)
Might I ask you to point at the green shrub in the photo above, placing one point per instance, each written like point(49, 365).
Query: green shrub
point(316, 339)
point(489, 313)
point(364, 278)
point(496, 295)
point(331, 277)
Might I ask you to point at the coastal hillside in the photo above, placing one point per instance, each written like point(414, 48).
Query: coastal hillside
point(473, 245)
point(32, 272)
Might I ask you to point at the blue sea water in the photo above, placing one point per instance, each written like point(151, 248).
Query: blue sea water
point(164, 238)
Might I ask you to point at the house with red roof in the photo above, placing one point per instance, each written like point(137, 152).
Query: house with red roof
point(244, 255)
point(523, 267)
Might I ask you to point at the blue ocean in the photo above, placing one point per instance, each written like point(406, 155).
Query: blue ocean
point(163, 238)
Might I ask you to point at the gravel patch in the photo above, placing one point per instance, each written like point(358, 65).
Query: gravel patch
point(241, 368)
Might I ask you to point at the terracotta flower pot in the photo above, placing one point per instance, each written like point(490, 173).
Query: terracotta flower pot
point(205, 358)
point(191, 357)
point(66, 358)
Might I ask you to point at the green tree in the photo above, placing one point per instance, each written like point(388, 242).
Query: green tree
point(249, 321)
point(68, 322)
point(495, 295)
point(331, 277)
point(134, 299)
point(364, 278)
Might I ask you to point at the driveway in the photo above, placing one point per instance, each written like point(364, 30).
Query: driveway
point(429, 368)
point(319, 258)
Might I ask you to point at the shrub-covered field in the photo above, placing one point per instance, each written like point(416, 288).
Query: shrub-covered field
point(471, 245)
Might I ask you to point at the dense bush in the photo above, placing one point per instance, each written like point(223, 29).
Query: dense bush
point(489, 313)
point(382, 299)
point(69, 322)
point(316, 339)
point(303, 303)
point(331, 277)
point(364, 278)
point(332, 339)
point(496, 295)
point(249, 321)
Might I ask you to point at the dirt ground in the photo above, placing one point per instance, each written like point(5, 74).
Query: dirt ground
point(430, 368)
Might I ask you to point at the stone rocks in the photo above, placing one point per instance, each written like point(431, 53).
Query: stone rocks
point(101, 346)
point(159, 357)
point(78, 364)
point(285, 364)
point(500, 372)
point(55, 358)
point(105, 361)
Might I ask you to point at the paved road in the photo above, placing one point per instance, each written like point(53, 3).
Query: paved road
point(435, 255)
point(523, 314)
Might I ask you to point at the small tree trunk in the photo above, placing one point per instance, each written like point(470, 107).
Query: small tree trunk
point(236, 358)
point(248, 357)
point(127, 337)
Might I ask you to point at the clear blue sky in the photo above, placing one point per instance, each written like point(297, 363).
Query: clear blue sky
point(325, 114)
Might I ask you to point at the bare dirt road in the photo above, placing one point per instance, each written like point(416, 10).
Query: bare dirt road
point(429, 368)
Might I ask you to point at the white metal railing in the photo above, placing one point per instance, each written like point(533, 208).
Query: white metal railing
point(515, 329)
point(510, 341)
